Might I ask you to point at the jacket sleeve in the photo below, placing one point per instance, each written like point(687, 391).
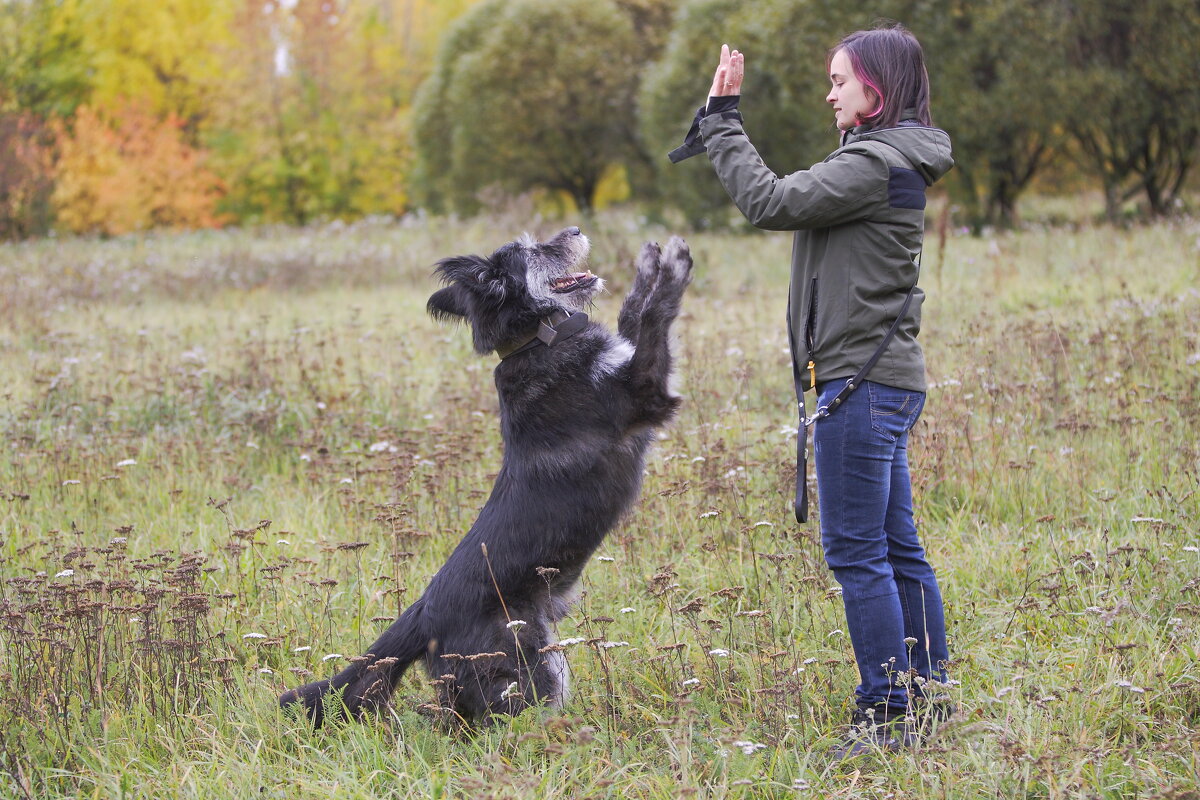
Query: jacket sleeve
point(833, 192)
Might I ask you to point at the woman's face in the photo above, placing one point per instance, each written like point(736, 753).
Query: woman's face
point(851, 99)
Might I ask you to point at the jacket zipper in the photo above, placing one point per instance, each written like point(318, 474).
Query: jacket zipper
point(810, 326)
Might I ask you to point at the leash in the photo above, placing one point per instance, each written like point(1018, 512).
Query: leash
point(801, 502)
point(555, 328)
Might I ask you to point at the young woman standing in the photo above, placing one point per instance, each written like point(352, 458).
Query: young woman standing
point(858, 218)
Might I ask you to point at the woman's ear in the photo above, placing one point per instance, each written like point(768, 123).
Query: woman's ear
point(447, 304)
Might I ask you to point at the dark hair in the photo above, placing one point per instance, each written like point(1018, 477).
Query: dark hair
point(889, 61)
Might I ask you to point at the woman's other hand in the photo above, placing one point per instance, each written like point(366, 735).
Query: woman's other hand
point(728, 78)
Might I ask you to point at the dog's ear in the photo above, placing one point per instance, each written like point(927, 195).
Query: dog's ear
point(483, 280)
point(447, 304)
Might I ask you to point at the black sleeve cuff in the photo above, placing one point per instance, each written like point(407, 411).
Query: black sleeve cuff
point(693, 143)
point(725, 103)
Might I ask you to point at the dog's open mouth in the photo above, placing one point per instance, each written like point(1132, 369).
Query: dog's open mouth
point(576, 280)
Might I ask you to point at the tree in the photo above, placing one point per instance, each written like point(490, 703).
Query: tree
point(46, 63)
point(163, 55)
point(998, 96)
point(25, 176)
point(554, 112)
point(130, 171)
point(1137, 114)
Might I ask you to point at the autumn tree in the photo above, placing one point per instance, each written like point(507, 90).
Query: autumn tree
point(164, 56)
point(126, 171)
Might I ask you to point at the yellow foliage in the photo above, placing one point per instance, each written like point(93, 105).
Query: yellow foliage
point(165, 54)
point(131, 171)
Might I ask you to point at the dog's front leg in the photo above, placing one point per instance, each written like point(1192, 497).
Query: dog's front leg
point(629, 321)
point(650, 367)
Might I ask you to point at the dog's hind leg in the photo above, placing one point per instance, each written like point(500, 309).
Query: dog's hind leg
point(367, 684)
point(629, 321)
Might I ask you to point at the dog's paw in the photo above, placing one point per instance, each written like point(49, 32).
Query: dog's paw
point(310, 698)
point(676, 261)
point(647, 259)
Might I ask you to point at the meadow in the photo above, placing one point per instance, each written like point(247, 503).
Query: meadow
point(230, 457)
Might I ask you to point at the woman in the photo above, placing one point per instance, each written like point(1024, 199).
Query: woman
point(858, 218)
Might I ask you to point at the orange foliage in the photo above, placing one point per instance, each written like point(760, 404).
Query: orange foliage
point(129, 170)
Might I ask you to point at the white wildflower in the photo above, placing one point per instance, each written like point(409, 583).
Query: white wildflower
point(254, 636)
point(691, 682)
point(346, 480)
point(628, 610)
point(718, 652)
point(252, 445)
point(129, 462)
point(305, 457)
point(118, 540)
point(331, 656)
point(513, 690)
point(266, 671)
point(516, 625)
point(708, 514)
point(749, 748)
point(66, 573)
point(610, 645)
point(571, 641)
point(282, 541)
point(606, 559)
point(71, 483)
point(301, 649)
point(380, 447)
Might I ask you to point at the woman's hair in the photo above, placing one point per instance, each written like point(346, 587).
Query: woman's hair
point(889, 61)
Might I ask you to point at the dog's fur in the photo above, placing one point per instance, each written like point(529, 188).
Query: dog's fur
point(576, 419)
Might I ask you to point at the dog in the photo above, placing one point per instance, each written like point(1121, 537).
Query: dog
point(579, 407)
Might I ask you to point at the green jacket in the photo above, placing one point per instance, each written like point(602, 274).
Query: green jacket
point(859, 219)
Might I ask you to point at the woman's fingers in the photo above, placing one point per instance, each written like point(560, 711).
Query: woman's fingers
point(727, 79)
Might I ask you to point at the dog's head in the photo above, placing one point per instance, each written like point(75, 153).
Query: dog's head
point(506, 294)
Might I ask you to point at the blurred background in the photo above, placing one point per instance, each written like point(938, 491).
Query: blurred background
point(127, 115)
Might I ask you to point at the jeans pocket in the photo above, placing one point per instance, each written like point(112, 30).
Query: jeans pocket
point(893, 411)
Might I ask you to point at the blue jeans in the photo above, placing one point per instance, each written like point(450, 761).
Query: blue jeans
point(870, 540)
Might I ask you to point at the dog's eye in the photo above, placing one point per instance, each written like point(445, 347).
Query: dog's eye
point(482, 278)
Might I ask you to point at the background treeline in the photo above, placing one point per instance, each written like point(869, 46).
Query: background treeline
point(123, 115)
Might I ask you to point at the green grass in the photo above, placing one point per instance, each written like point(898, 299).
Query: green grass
point(260, 432)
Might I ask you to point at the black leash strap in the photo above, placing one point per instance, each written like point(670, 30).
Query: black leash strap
point(801, 502)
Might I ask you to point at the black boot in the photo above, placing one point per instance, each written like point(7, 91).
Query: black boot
point(874, 730)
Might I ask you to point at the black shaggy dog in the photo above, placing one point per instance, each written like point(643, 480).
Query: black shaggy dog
point(578, 408)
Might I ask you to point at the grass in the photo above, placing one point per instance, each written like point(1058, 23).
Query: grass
point(230, 458)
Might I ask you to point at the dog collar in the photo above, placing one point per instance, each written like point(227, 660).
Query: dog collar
point(551, 330)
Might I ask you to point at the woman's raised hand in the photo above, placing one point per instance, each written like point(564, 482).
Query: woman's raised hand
point(728, 78)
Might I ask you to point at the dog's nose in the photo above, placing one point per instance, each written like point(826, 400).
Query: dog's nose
point(574, 231)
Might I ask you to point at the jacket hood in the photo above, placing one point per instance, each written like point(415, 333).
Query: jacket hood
point(927, 148)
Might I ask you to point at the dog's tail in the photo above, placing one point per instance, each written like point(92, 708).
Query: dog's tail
point(367, 683)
